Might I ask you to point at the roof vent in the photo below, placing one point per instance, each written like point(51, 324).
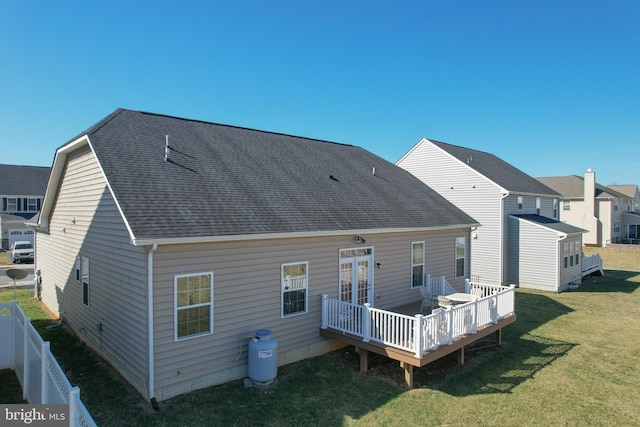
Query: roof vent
point(166, 148)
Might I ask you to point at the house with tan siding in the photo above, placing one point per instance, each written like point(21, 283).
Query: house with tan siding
point(519, 240)
point(166, 243)
point(608, 215)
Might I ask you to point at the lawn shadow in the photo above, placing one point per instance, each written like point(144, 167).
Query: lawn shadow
point(612, 281)
point(500, 369)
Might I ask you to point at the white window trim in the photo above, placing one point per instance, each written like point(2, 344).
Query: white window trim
point(422, 264)
point(175, 307)
point(520, 202)
point(456, 257)
point(283, 290)
point(82, 281)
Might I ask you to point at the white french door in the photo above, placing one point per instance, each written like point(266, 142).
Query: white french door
point(356, 275)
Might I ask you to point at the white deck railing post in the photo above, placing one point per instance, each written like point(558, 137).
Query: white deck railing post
point(467, 286)
point(474, 326)
point(366, 322)
point(325, 303)
point(449, 315)
point(418, 327)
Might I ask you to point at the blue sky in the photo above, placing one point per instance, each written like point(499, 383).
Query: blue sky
point(552, 87)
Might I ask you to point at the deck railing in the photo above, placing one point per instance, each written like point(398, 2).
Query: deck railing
point(40, 376)
point(418, 333)
point(591, 264)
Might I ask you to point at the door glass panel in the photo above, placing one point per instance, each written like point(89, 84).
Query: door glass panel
point(363, 282)
point(346, 279)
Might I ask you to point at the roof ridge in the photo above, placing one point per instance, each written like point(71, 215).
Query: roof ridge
point(239, 127)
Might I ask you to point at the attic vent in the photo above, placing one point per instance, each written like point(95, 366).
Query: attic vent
point(166, 148)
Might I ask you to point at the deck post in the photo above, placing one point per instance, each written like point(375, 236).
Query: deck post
point(325, 301)
point(366, 323)
point(499, 337)
point(417, 333)
point(461, 356)
point(467, 286)
point(364, 359)
point(408, 373)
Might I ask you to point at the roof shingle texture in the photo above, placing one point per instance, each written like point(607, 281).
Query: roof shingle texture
point(222, 180)
point(18, 180)
point(572, 187)
point(497, 170)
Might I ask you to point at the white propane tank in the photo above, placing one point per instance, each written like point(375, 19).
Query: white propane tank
point(263, 358)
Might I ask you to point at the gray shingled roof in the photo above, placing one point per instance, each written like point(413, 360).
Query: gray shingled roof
point(497, 170)
point(18, 180)
point(224, 180)
point(552, 224)
point(572, 187)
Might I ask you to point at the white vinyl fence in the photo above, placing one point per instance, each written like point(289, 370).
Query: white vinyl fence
point(41, 378)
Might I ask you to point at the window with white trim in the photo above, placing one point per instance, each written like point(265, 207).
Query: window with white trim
point(32, 204)
point(577, 251)
point(616, 226)
point(417, 264)
point(566, 255)
point(77, 269)
point(566, 205)
point(12, 204)
point(294, 285)
point(193, 305)
point(555, 208)
point(520, 202)
point(461, 249)
point(538, 203)
point(85, 281)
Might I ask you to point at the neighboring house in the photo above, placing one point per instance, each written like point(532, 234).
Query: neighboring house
point(165, 243)
point(630, 221)
point(21, 191)
point(520, 240)
point(606, 214)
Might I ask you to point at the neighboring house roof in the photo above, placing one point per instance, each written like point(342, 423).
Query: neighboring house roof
point(497, 170)
point(224, 180)
point(551, 224)
point(18, 180)
point(572, 187)
point(629, 190)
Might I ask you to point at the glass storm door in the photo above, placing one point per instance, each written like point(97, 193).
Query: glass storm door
point(356, 275)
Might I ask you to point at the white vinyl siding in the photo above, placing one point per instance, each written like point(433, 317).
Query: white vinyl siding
point(86, 223)
point(471, 192)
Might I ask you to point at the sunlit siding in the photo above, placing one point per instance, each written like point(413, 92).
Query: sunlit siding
point(247, 297)
point(533, 255)
point(469, 191)
point(85, 222)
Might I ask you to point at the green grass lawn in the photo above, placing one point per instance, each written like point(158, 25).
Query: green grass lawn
point(570, 359)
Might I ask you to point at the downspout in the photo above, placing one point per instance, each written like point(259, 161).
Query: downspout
point(503, 220)
point(152, 385)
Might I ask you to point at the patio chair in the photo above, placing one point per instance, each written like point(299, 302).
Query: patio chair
point(427, 299)
point(476, 292)
point(444, 302)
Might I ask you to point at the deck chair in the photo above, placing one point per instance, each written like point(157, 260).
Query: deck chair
point(444, 302)
point(427, 299)
point(476, 292)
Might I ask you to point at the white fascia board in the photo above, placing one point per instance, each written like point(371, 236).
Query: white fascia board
point(241, 237)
